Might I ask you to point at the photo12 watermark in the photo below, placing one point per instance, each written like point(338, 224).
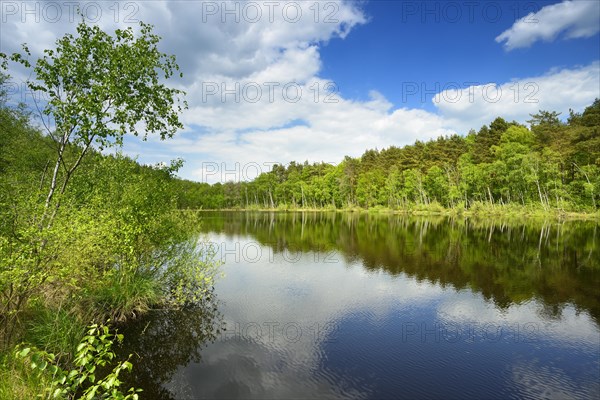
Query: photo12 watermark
point(438, 332)
point(268, 92)
point(409, 332)
point(20, 92)
point(270, 11)
point(470, 92)
point(255, 252)
point(55, 12)
point(471, 12)
point(213, 171)
point(272, 331)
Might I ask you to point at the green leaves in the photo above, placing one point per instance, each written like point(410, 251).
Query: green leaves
point(100, 87)
point(93, 351)
point(23, 353)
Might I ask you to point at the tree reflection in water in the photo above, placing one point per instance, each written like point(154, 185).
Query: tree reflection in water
point(508, 261)
point(553, 265)
point(164, 340)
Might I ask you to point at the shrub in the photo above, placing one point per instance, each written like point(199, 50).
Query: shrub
point(93, 352)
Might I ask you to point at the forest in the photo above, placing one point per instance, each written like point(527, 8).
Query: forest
point(552, 167)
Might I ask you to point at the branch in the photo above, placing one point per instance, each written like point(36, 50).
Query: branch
point(42, 117)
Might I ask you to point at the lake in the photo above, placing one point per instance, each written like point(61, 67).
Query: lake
point(373, 306)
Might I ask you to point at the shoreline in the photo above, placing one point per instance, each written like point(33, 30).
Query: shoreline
point(495, 212)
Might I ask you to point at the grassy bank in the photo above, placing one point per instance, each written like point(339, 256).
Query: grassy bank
point(477, 209)
point(99, 275)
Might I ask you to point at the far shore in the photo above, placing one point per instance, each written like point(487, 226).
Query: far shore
point(495, 211)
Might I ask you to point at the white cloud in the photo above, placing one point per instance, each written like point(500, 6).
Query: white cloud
point(257, 133)
point(557, 90)
point(328, 131)
point(575, 19)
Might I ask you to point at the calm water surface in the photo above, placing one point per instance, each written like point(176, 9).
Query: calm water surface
point(331, 305)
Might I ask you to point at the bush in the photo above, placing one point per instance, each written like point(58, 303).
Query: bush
point(120, 295)
point(93, 353)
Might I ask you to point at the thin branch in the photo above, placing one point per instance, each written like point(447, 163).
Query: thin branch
point(41, 114)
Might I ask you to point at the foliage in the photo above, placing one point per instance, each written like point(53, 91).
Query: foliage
point(188, 276)
point(53, 328)
point(78, 228)
point(99, 87)
point(93, 353)
point(86, 236)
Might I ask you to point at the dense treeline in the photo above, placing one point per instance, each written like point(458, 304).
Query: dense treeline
point(553, 165)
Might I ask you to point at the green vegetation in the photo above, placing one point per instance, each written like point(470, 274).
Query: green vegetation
point(87, 237)
point(553, 167)
point(94, 351)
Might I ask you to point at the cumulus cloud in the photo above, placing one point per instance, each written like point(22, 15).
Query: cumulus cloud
point(283, 131)
point(558, 90)
point(304, 131)
point(573, 19)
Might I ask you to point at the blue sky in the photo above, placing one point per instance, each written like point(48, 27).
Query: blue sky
point(437, 44)
point(281, 81)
